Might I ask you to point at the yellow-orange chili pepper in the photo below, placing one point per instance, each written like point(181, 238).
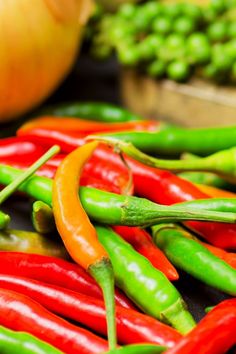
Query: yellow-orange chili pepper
point(77, 232)
point(216, 192)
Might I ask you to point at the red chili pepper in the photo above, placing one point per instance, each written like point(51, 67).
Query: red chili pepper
point(20, 146)
point(157, 185)
point(21, 313)
point(85, 127)
point(215, 334)
point(142, 243)
point(228, 257)
point(113, 178)
point(132, 327)
point(56, 271)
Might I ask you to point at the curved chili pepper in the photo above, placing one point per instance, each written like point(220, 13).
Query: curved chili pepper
point(78, 234)
point(192, 257)
point(140, 349)
point(98, 111)
point(85, 127)
point(55, 271)
point(123, 210)
point(144, 284)
point(175, 140)
point(219, 324)
point(20, 313)
point(143, 243)
point(132, 327)
point(157, 185)
point(19, 342)
point(31, 242)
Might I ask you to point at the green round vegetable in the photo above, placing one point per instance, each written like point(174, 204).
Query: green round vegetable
point(162, 25)
point(178, 70)
point(184, 25)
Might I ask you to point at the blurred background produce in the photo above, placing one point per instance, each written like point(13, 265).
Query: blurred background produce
point(37, 51)
point(188, 48)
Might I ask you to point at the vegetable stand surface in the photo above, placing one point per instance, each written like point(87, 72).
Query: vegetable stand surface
point(197, 295)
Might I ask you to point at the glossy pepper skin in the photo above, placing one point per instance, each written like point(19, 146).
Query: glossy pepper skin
point(86, 127)
point(157, 185)
point(132, 327)
point(96, 172)
point(174, 141)
point(77, 232)
point(143, 243)
point(219, 324)
point(55, 271)
point(20, 147)
point(31, 242)
point(123, 210)
point(144, 284)
point(192, 257)
point(18, 342)
point(98, 111)
point(20, 313)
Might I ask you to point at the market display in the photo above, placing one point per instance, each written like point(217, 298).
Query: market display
point(114, 220)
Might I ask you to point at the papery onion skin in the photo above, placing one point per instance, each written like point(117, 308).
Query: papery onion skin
point(39, 41)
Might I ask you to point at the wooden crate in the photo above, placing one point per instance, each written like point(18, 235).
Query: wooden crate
point(195, 104)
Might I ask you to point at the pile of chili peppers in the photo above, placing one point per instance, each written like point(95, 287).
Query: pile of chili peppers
point(105, 213)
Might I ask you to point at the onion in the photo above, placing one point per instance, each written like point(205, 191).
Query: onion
point(38, 44)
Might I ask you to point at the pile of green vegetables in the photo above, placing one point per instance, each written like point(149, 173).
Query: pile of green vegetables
point(176, 40)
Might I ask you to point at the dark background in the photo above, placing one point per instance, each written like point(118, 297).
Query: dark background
point(94, 81)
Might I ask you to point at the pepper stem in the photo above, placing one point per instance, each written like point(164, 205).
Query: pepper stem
point(102, 272)
point(4, 220)
point(13, 186)
point(199, 164)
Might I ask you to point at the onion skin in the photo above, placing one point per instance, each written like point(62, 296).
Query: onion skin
point(39, 41)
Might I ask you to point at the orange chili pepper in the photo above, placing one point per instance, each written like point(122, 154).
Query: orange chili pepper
point(77, 232)
point(82, 126)
point(215, 192)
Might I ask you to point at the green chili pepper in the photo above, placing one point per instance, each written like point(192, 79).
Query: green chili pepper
point(103, 112)
point(31, 242)
point(174, 141)
point(221, 163)
point(144, 284)
point(138, 349)
point(192, 257)
point(12, 342)
point(113, 209)
point(42, 217)
point(207, 178)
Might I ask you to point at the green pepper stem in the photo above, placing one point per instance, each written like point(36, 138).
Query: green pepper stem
point(102, 272)
point(222, 162)
point(4, 220)
point(13, 186)
point(138, 348)
point(42, 217)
